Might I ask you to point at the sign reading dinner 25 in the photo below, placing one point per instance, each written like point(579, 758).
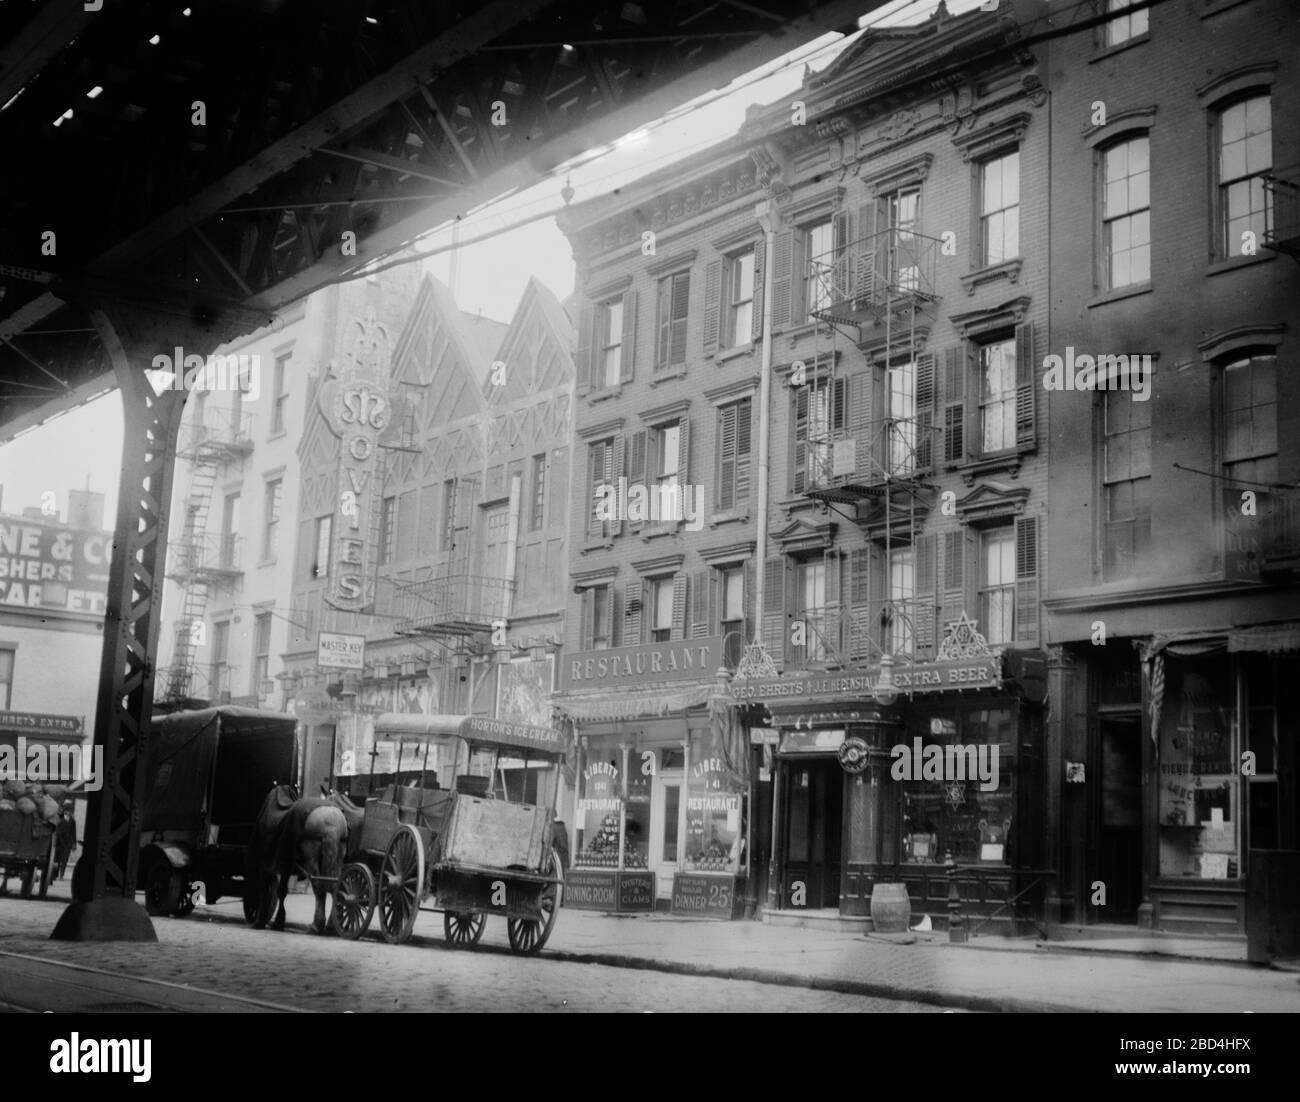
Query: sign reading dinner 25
point(649, 663)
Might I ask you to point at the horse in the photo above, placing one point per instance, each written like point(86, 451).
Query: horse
point(293, 834)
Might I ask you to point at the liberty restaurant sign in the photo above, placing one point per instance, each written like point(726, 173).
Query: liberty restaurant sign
point(360, 414)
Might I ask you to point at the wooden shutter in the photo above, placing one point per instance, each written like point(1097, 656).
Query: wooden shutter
point(756, 312)
point(681, 296)
point(866, 578)
point(726, 496)
point(636, 471)
point(870, 253)
point(926, 583)
point(679, 607)
point(925, 403)
point(954, 575)
point(607, 628)
point(744, 426)
point(684, 455)
point(798, 435)
point(782, 280)
point(586, 353)
point(586, 640)
point(860, 387)
point(1026, 627)
point(663, 322)
point(1026, 375)
point(831, 633)
point(615, 616)
point(627, 355)
point(616, 473)
point(774, 608)
point(632, 608)
point(701, 621)
point(712, 305)
point(954, 405)
point(839, 400)
point(595, 477)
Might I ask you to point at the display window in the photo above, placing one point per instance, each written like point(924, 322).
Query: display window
point(956, 768)
point(600, 806)
point(715, 810)
point(1199, 813)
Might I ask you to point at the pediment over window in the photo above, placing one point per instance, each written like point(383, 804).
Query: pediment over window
point(803, 534)
point(992, 502)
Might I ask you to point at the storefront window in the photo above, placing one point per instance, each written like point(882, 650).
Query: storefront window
point(1198, 807)
point(715, 810)
point(956, 769)
point(600, 806)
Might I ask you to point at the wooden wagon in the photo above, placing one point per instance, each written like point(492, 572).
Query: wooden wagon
point(466, 825)
point(26, 848)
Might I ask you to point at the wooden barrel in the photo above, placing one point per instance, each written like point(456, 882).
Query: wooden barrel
point(891, 909)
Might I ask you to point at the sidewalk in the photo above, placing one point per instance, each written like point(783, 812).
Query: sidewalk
point(992, 974)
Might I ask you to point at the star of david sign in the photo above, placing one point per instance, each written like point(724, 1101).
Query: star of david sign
point(962, 640)
point(956, 791)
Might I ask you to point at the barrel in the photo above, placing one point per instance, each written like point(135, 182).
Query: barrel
point(891, 909)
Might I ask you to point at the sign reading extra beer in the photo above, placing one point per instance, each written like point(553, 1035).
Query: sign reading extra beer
point(677, 660)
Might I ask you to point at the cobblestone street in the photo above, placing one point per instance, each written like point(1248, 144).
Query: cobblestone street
point(597, 962)
point(295, 971)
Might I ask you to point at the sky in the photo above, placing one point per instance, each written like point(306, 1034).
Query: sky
point(82, 448)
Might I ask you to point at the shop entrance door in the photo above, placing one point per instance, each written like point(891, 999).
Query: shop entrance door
point(666, 830)
point(1120, 836)
point(814, 817)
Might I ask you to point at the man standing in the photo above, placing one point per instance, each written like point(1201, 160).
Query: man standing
point(65, 838)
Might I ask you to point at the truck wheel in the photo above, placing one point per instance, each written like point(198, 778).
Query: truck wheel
point(162, 890)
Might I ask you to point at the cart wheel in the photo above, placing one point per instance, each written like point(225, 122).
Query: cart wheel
point(354, 901)
point(401, 880)
point(527, 935)
point(29, 875)
point(463, 928)
point(162, 891)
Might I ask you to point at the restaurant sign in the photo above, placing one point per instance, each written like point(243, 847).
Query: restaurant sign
point(676, 660)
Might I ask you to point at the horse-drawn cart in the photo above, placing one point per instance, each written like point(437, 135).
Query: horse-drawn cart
point(26, 848)
point(480, 844)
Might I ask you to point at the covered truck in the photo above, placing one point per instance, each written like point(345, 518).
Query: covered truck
point(207, 774)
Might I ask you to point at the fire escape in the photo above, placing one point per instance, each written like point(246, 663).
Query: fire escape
point(201, 561)
point(871, 456)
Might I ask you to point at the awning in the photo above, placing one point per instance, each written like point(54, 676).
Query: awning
point(1266, 639)
point(614, 706)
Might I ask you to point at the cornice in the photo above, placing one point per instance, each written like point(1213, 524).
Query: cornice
point(728, 552)
point(1000, 132)
point(911, 171)
point(600, 575)
point(737, 388)
point(672, 264)
point(660, 564)
point(613, 426)
point(678, 408)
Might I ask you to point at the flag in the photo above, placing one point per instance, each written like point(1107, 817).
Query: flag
point(1157, 700)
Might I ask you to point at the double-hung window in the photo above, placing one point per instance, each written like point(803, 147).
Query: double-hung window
point(1127, 474)
point(738, 312)
point(1245, 157)
point(997, 585)
point(610, 343)
point(1000, 208)
point(997, 382)
point(810, 597)
point(1124, 27)
point(902, 590)
point(821, 265)
point(1126, 213)
point(661, 609)
point(734, 431)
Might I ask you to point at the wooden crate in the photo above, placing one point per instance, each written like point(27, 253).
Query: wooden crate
point(495, 833)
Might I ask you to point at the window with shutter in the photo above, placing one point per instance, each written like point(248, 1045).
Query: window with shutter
point(633, 599)
point(954, 575)
point(954, 405)
point(627, 355)
point(926, 395)
point(1026, 625)
point(600, 467)
point(774, 610)
point(636, 476)
point(820, 409)
point(861, 614)
point(678, 627)
point(923, 618)
point(674, 300)
point(586, 628)
point(901, 632)
point(701, 621)
point(585, 363)
point(783, 276)
point(738, 299)
point(712, 305)
point(997, 585)
point(733, 455)
point(1025, 385)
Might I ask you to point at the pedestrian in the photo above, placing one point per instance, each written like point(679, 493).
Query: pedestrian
point(65, 838)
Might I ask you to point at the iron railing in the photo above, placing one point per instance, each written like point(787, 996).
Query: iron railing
point(220, 431)
point(890, 449)
point(858, 280)
point(1282, 201)
point(210, 555)
point(861, 632)
point(454, 604)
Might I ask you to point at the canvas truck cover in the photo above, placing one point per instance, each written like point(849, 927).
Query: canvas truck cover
point(229, 755)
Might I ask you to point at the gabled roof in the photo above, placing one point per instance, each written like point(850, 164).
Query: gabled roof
point(537, 305)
